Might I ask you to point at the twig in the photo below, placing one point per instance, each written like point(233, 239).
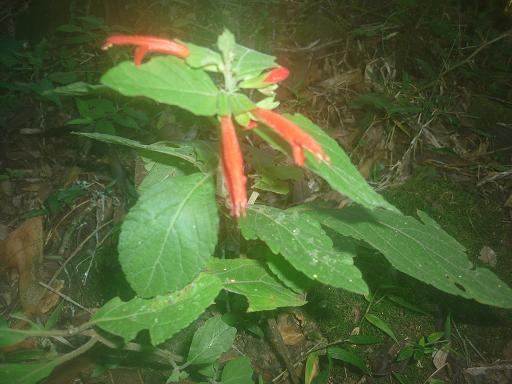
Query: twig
point(77, 250)
point(278, 344)
point(65, 297)
point(466, 60)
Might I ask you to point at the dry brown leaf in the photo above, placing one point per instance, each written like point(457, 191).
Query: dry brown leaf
point(440, 357)
point(51, 297)
point(290, 330)
point(488, 256)
point(23, 250)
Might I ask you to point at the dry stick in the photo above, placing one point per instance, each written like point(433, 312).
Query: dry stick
point(277, 340)
point(78, 249)
point(466, 60)
point(165, 355)
point(65, 297)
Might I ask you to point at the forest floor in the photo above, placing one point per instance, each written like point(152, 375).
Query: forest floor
point(420, 98)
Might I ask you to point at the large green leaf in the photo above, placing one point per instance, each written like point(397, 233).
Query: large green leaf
point(421, 249)
point(341, 174)
point(201, 57)
point(301, 240)
point(234, 103)
point(249, 63)
point(198, 153)
point(163, 316)
point(166, 80)
point(282, 269)
point(170, 234)
point(249, 278)
point(210, 341)
point(237, 371)
point(26, 373)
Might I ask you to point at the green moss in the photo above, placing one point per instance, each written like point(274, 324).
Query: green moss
point(474, 220)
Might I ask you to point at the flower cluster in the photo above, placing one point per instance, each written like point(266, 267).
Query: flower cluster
point(231, 154)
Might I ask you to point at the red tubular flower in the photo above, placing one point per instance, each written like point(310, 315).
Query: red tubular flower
point(146, 44)
point(290, 132)
point(233, 167)
point(277, 75)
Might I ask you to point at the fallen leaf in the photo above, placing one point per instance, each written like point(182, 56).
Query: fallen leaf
point(488, 256)
point(290, 330)
point(23, 250)
point(440, 357)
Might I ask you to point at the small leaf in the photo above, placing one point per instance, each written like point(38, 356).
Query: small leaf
point(404, 303)
point(237, 371)
point(163, 316)
point(400, 378)
point(226, 43)
point(210, 341)
point(201, 57)
point(198, 153)
point(249, 278)
point(311, 370)
point(381, 324)
point(406, 353)
point(348, 357)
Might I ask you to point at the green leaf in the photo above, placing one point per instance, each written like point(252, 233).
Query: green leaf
point(249, 278)
point(381, 324)
point(311, 365)
point(283, 270)
point(76, 89)
point(400, 378)
point(167, 80)
point(406, 353)
point(226, 43)
point(62, 77)
point(201, 57)
point(341, 174)
point(364, 340)
point(211, 370)
point(198, 153)
point(95, 108)
point(10, 336)
point(304, 244)
point(348, 357)
point(163, 316)
point(170, 234)
point(26, 373)
point(159, 171)
point(234, 104)
point(237, 371)
point(210, 341)
point(125, 121)
point(421, 249)
point(404, 303)
point(249, 63)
